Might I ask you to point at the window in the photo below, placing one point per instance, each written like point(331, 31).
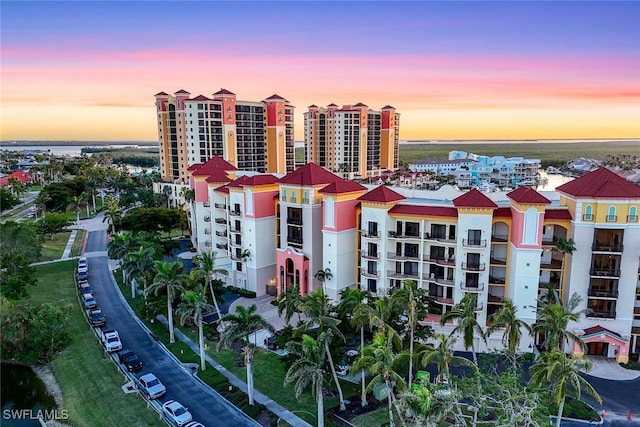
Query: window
point(611, 215)
point(284, 195)
point(588, 213)
point(633, 214)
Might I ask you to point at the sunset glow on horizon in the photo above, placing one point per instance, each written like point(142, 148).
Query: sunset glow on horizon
point(453, 70)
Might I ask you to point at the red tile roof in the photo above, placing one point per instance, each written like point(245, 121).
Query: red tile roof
point(161, 94)
point(224, 92)
point(381, 194)
point(312, 106)
point(274, 97)
point(217, 176)
point(340, 187)
point(528, 195)
point(238, 182)
point(308, 175)
point(217, 162)
point(473, 199)
point(222, 189)
point(557, 214)
point(194, 166)
point(439, 211)
point(601, 183)
point(332, 105)
point(264, 179)
point(502, 213)
point(182, 91)
point(388, 107)
point(199, 98)
point(595, 330)
point(360, 104)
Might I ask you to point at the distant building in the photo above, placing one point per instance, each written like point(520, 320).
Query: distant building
point(353, 141)
point(250, 135)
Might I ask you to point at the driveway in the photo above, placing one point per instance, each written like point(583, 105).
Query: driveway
point(206, 406)
point(608, 368)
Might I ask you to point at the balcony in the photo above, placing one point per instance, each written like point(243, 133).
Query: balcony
point(370, 274)
point(207, 219)
point(206, 204)
point(440, 280)
point(221, 246)
point(370, 255)
point(499, 238)
point(440, 238)
point(207, 231)
point(610, 314)
point(440, 261)
point(632, 218)
point(612, 218)
point(474, 243)
point(234, 213)
point(394, 255)
point(478, 287)
point(607, 247)
point(395, 275)
point(603, 293)
point(604, 272)
point(444, 300)
point(221, 233)
point(294, 221)
point(552, 264)
point(220, 220)
point(235, 244)
point(294, 241)
point(473, 266)
point(370, 234)
point(396, 235)
point(207, 244)
point(220, 206)
point(496, 280)
point(497, 261)
point(587, 217)
point(233, 229)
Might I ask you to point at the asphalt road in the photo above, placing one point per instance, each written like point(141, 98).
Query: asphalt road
point(206, 406)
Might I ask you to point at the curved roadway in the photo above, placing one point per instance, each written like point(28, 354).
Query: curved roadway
point(206, 405)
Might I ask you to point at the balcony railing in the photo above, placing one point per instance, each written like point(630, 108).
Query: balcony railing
point(220, 206)
point(605, 272)
point(474, 243)
point(587, 217)
point(396, 235)
point(473, 266)
point(440, 280)
point(221, 233)
point(235, 229)
point(500, 238)
point(496, 280)
point(632, 218)
point(394, 255)
point(396, 275)
point(207, 244)
point(443, 300)
point(370, 274)
point(440, 261)
point(603, 293)
point(370, 234)
point(370, 255)
point(207, 231)
point(610, 314)
point(478, 287)
point(612, 218)
point(440, 238)
point(607, 247)
point(234, 213)
point(294, 221)
point(233, 243)
point(207, 219)
point(221, 246)
point(479, 307)
point(498, 261)
point(220, 220)
point(206, 204)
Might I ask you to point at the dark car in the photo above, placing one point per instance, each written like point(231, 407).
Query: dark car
point(129, 359)
point(96, 318)
point(82, 276)
point(84, 288)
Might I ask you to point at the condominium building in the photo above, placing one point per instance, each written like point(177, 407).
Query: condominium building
point(250, 135)
point(353, 141)
point(273, 232)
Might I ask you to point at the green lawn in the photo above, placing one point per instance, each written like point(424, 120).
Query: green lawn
point(90, 383)
point(373, 419)
point(53, 249)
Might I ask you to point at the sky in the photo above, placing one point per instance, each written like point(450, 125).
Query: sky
point(453, 70)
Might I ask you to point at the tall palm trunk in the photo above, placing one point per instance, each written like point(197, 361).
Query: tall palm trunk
point(363, 398)
point(249, 380)
point(389, 402)
point(133, 288)
point(335, 376)
point(320, 400)
point(473, 353)
point(411, 356)
point(215, 301)
point(201, 338)
point(170, 316)
point(560, 408)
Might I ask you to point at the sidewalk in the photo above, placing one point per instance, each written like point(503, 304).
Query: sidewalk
point(274, 407)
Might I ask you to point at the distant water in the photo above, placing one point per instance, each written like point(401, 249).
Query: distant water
point(65, 150)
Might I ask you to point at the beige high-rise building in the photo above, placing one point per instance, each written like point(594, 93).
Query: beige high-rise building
point(353, 141)
point(251, 135)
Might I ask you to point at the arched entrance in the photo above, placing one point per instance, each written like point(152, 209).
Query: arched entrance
point(601, 341)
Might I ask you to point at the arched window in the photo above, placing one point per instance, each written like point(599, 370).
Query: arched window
point(305, 197)
point(588, 213)
point(611, 216)
point(633, 214)
point(284, 195)
point(297, 277)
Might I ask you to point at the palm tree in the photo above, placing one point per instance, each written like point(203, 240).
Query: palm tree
point(308, 368)
point(194, 303)
point(76, 204)
point(507, 318)
point(467, 325)
point(323, 275)
point(318, 309)
point(91, 184)
point(406, 300)
point(139, 265)
point(380, 314)
point(562, 373)
point(379, 358)
point(289, 303)
point(206, 262)
point(442, 355)
point(567, 246)
point(240, 325)
point(169, 278)
point(553, 319)
point(111, 213)
point(354, 304)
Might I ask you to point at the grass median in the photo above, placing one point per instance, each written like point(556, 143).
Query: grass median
point(90, 382)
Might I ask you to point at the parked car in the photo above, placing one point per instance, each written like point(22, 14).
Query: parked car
point(82, 262)
point(82, 276)
point(84, 288)
point(82, 281)
point(193, 424)
point(130, 361)
point(110, 339)
point(89, 301)
point(96, 318)
point(151, 386)
point(176, 413)
point(83, 268)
